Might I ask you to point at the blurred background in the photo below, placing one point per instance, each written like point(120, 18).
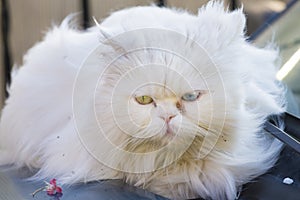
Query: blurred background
point(25, 22)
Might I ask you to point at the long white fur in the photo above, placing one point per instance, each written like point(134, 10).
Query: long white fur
point(37, 129)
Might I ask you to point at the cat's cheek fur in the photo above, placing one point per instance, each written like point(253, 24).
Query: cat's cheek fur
point(139, 114)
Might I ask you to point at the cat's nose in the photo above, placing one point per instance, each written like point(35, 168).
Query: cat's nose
point(168, 118)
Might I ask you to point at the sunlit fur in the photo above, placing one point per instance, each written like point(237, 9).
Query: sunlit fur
point(38, 129)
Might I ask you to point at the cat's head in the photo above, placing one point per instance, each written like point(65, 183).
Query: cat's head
point(170, 90)
point(163, 97)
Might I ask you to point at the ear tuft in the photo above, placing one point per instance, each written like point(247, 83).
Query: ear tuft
point(221, 22)
point(239, 20)
point(217, 6)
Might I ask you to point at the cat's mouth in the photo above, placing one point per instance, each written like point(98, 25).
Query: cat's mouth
point(169, 130)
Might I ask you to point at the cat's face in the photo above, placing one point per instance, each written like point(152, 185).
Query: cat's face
point(166, 104)
point(156, 100)
point(155, 104)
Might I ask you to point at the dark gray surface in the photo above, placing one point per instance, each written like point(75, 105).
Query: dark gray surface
point(13, 187)
point(270, 186)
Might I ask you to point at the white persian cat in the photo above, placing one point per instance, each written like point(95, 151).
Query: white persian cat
point(165, 100)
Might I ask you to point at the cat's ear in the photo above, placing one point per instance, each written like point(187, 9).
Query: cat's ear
point(102, 30)
point(237, 21)
point(107, 38)
point(221, 22)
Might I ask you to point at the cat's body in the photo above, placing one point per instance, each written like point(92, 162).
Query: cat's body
point(239, 91)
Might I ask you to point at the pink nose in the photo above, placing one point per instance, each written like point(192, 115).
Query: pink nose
point(168, 118)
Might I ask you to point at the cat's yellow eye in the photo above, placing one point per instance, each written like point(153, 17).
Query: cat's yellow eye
point(191, 96)
point(144, 99)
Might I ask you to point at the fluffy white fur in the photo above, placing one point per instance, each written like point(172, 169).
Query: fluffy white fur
point(38, 129)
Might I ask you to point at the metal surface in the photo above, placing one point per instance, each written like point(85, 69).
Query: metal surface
point(291, 135)
point(161, 3)
point(292, 125)
point(85, 13)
